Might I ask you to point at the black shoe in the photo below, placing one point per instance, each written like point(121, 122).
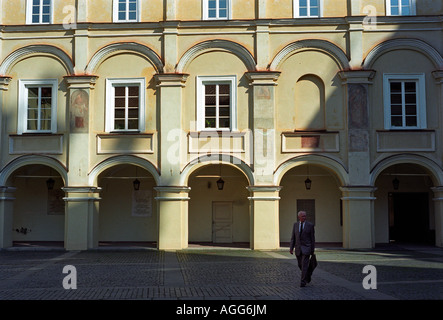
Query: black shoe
point(302, 284)
point(308, 279)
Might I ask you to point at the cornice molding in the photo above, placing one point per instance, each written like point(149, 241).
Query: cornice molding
point(81, 81)
point(263, 77)
point(4, 82)
point(171, 79)
point(357, 76)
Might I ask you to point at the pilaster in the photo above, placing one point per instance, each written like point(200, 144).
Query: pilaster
point(81, 217)
point(355, 7)
point(171, 9)
point(262, 44)
point(82, 10)
point(264, 216)
point(358, 217)
point(81, 49)
point(79, 109)
point(171, 197)
point(4, 83)
point(438, 211)
point(438, 76)
point(170, 34)
point(171, 138)
point(263, 85)
point(172, 217)
point(6, 214)
point(358, 125)
point(355, 41)
point(261, 9)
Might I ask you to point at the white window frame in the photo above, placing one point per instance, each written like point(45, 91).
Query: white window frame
point(110, 103)
point(115, 12)
point(412, 8)
point(29, 4)
point(296, 8)
point(211, 80)
point(419, 78)
point(206, 11)
point(22, 125)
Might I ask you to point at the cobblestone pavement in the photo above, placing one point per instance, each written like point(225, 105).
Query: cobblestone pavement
point(402, 273)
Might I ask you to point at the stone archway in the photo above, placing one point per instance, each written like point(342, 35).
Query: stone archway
point(404, 209)
point(320, 197)
point(128, 213)
point(38, 215)
point(218, 215)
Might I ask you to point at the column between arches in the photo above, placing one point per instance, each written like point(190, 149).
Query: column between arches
point(6, 211)
point(264, 213)
point(172, 217)
point(438, 209)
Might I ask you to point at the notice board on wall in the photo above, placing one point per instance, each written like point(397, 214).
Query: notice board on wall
point(141, 203)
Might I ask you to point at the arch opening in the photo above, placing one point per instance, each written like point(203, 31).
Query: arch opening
point(322, 202)
point(128, 212)
point(38, 217)
point(404, 210)
point(218, 216)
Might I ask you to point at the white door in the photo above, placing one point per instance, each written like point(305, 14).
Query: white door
point(222, 222)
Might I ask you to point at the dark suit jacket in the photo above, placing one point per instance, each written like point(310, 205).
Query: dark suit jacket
point(306, 243)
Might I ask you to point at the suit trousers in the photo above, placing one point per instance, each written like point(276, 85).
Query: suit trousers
point(303, 264)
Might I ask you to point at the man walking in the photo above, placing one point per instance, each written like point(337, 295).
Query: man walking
point(303, 241)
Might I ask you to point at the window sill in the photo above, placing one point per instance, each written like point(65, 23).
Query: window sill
point(216, 132)
point(129, 21)
point(127, 133)
point(35, 134)
point(405, 130)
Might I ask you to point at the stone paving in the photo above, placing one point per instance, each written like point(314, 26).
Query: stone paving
point(402, 273)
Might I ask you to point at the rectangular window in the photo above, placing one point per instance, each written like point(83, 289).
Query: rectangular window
point(39, 12)
point(37, 106)
point(404, 102)
point(216, 9)
point(126, 11)
point(216, 103)
point(400, 7)
point(125, 105)
point(307, 8)
point(217, 106)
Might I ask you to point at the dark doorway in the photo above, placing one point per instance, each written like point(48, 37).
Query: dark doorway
point(409, 217)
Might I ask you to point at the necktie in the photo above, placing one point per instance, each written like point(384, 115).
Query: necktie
point(301, 228)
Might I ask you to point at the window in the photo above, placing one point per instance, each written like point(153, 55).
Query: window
point(216, 108)
point(216, 9)
point(307, 8)
point(37, 106)
point(127, 10)
point(400, 7)
point(39, 12)
point(125, 105)
point(405, 101)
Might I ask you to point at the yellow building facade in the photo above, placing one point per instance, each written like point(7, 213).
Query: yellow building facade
point(216, 121)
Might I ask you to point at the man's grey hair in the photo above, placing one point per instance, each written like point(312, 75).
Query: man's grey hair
point(301, 212)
